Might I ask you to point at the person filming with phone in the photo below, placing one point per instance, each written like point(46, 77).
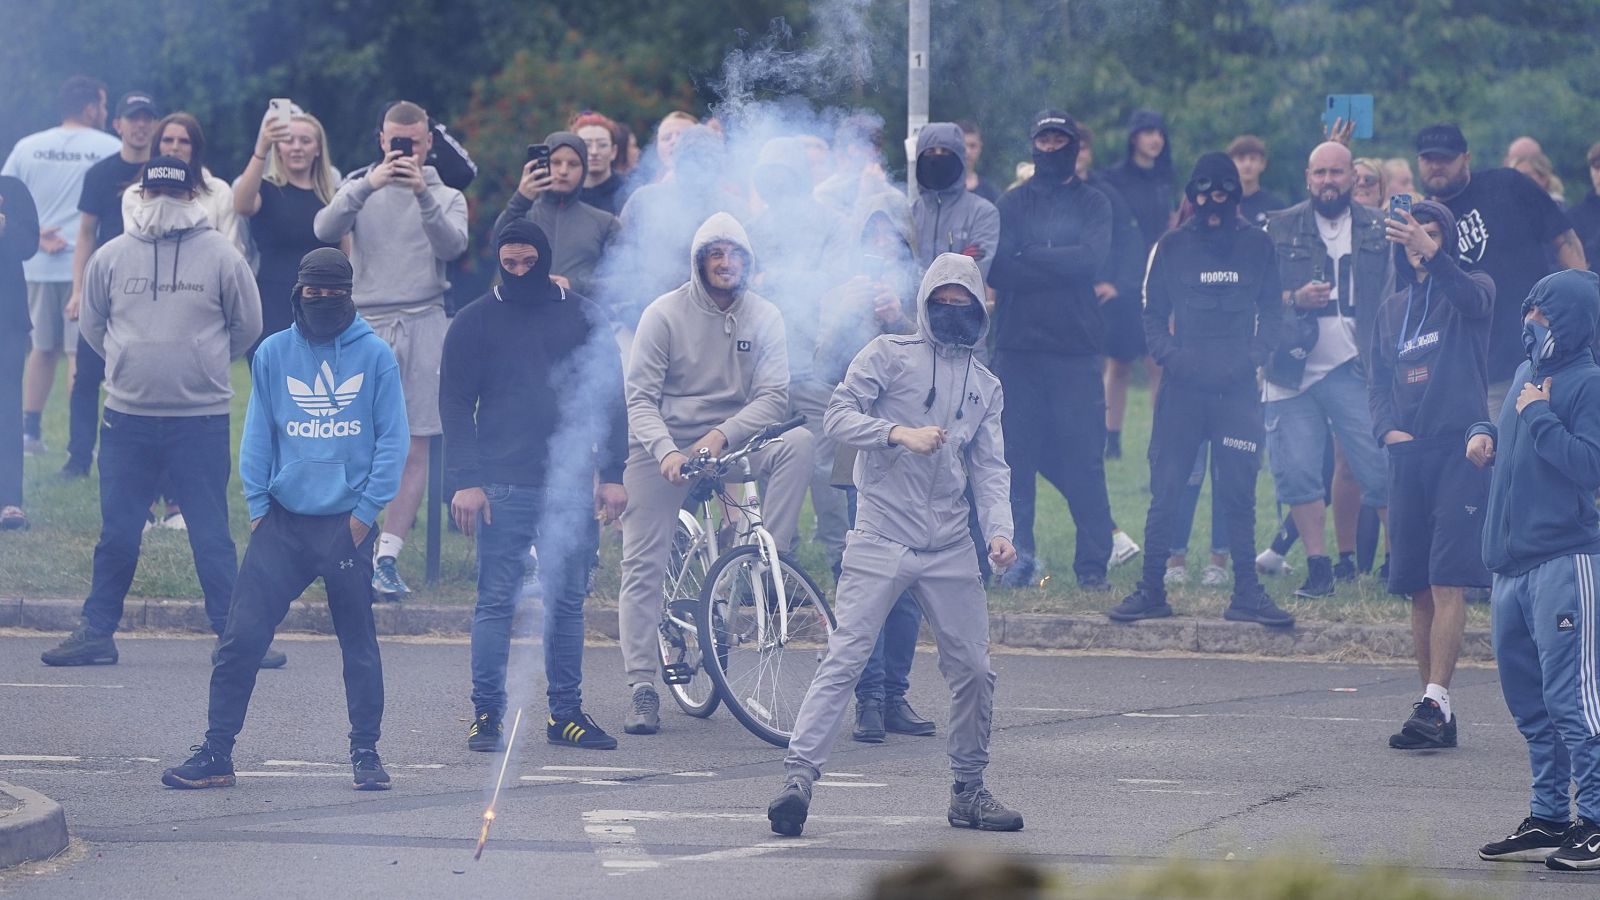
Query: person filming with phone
point(547, 196)
point(405, 225)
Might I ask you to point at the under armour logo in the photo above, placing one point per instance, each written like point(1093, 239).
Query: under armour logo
point(1472, 510)
point(346, 563)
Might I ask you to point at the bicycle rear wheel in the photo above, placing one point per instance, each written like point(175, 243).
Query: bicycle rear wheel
point(677, 637)
point(762, 676)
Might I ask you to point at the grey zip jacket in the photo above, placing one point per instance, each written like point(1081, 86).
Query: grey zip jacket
point(915, 500)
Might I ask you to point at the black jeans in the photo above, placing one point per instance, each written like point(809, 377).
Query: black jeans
point(84, 405)
point(1186, 417)
point(135, 452)
point(14, 347)
point(1055, 425)
point(287, 552)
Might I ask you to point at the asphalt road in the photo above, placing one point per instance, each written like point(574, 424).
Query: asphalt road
point(1116, 761)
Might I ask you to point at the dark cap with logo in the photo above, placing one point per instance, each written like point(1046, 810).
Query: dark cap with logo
point(1053, 120)
point(167, 172)
point(135, 102)
point(1443, 139)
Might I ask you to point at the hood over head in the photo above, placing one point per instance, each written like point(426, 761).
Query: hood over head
point(534, 284)
point(951, 268)
point(719, 227)
point(1145, 120)
point(1425, 211)
point(1571, 301)
point(557, 139)
point(323, 318)
point(944, 136)
point(783, 173)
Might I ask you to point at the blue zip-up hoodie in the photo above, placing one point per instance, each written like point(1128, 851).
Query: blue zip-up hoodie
point(326, 431)
point(1547, 458)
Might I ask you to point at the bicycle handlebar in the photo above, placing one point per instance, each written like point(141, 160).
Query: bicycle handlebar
point(706, 464)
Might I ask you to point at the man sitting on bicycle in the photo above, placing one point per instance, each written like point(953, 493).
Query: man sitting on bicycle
point(926, 417)
point(708, 370)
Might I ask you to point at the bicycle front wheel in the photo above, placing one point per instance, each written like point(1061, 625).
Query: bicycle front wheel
point(762, 669)
point(681, 667)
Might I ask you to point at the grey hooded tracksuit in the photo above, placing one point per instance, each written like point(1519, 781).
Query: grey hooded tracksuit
point(695, 368)
point(954, 219)
point(911, 524)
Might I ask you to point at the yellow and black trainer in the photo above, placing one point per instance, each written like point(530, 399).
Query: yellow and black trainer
point(580, 732)
point(485, 734)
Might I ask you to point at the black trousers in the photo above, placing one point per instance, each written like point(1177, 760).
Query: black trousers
point(287, 552)
point(84, 406)
point(14, 347)
point(1055, 426)
point(1185, 417)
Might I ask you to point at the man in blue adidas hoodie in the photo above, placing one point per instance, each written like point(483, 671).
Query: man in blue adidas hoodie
point(325, 440)
point(1541, 539)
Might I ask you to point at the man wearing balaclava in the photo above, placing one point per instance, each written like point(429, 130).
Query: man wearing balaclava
point(531, 400)
point(167, 303)
point(1541, 539)
point(1050, 333)
point(946, 217)
point(924, 416)
point(1213, 314)
point(547, 196)
point(324, 443)
point(1336, 269)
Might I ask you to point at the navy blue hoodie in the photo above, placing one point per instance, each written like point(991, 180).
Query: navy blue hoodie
point(1547, 458)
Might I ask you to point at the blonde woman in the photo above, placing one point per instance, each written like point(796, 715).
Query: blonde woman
point(1537, 166)
point(288, 180)
point(1370, 188)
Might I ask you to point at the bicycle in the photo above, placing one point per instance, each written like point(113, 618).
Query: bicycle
point(761, 623)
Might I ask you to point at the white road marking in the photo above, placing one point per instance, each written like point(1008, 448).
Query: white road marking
point(295, 762)
point(1168, 791)
point(23, 757)
point(544, 778)
point(693, 774)
point(1147, 781)
point(600, 782)
point(845, 775)
point(29, 684)
point(851, 784)
point(292, 774)
point(591, 769)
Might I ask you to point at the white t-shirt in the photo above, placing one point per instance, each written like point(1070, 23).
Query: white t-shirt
point(1336, 334)
point(52, 163)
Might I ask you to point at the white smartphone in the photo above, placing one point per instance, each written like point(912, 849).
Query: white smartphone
point(281, 109)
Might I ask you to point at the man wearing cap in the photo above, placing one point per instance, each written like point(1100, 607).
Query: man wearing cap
point(168, 304)
point(1050, 332)
point(324, 444)
point(100, 220)
point(1213, 314)
point(1506, 225)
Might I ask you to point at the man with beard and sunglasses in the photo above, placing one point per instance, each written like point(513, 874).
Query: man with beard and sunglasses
point(1336, 266)
point(1213, 314)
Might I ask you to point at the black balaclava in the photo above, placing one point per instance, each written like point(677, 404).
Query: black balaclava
point(1055, 166)
point(1215, 171)
point(957, 325)
point(938, 171)
point(322, 319)
point(535, 284)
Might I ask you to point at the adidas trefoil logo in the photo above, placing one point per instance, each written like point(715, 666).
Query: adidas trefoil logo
point(323, 399)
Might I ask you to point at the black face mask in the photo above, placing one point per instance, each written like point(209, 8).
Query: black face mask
point(937, 171)
point(324, 318)
point(952, 324)
point(524, 288)
point(1056, 165)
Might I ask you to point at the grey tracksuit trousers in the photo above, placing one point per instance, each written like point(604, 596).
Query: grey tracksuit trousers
point(947, 586)
point(652, 514)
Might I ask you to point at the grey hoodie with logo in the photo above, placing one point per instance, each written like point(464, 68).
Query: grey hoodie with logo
point(695, 367)
point(168, 313)
point(915, 500)
point(400, 240)
point(954, 219)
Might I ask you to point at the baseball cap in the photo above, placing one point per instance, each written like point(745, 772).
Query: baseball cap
point(167, 172)
point(1053, 120)
point(136, 102)
point(1443, 139)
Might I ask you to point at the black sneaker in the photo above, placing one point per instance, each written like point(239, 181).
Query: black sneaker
point(1257, 607)
point(1580, 848)
point(869, 722)
point(272, 659)
point(368, 771)
point(1427, 721)
point(1020, 575)
point(75, 469)
point(1344, 569)
point(205, 769)
point(787, 811)
point(1319, 578)
point(485, 734)
point(1402, 740)
point(1141, 604)
point(580, 732)
point(644, 716)
point(972, 806)
point(84, 647)
point(1094, 585)
point(1533, 841)
point(900, 718)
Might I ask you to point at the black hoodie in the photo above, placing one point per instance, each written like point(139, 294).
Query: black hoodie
point(1430, 344)
point(1149, 192)
point(517, 367)
point(19, 243)
point(1054, 239)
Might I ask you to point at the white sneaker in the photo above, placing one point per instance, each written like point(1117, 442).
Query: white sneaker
point(1176, 575)
point(32, 446)
point(1269, 562)
point(1122, 548)
point(1214, 576)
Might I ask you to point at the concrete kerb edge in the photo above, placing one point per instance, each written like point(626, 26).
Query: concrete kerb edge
point(1020, 630)
point(36, 831)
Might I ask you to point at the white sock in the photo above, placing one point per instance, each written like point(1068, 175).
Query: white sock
point(533, 551)
point(388, 545)
point(1439, 694)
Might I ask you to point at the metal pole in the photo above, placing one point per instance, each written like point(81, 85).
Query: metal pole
point(916, 85)
point(435, 503)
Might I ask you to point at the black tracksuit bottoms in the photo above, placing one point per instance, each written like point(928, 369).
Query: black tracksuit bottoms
point(1055, 425)
point(287, 552)
point(1186, 416)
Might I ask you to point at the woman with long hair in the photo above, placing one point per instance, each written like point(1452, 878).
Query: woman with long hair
point(288, 180)
point(179, 134)
point(1371, 188)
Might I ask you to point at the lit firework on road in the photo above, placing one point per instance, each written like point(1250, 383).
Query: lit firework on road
point(494, 798)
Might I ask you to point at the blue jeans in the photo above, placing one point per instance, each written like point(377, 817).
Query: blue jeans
point(194, 453)
point(1297, 433)
point(502, 559)
point(1191, 502)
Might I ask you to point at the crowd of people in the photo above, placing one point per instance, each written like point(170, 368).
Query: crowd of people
point(1414, 351)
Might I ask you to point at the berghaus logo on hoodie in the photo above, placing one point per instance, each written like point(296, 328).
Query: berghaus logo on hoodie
point(322, 399)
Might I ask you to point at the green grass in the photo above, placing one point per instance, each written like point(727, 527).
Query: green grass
point(53, 559)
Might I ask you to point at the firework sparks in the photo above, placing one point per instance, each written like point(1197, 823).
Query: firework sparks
point(494, 799)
